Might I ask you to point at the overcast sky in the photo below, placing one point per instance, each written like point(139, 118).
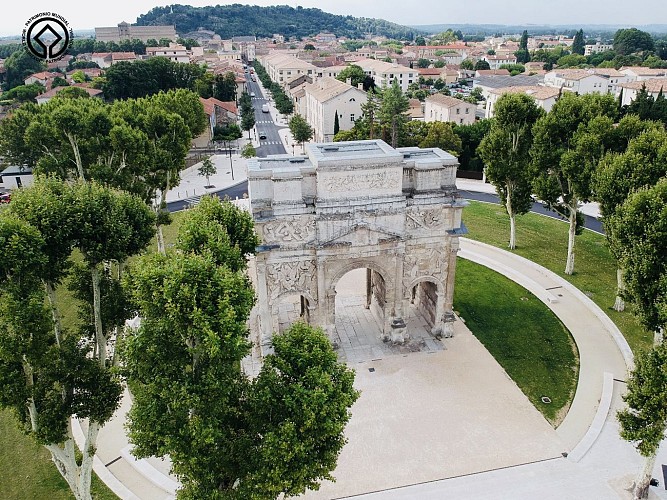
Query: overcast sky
point(90, 13)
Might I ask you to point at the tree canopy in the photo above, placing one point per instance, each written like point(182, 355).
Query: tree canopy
point(639, 240)
point(631, 40)
point(228, 436)
point(506, 154)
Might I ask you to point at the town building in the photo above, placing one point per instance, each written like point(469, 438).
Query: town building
point(597, 48)
point(50, 94)
point(581, 81)
point(326, 97)
point(496, 61)
point(174, 52)
point(126, 31)
point(218, 113)
point(545, 97)
point(282, 67)
point(444, 108)
point(654, 87)
point(639, 73)
point(384, 73)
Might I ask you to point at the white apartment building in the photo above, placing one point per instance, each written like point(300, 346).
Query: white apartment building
point(545, 97)
point(496, 61)
point(639, 73)
point(283, 67)
point(175, 52)
point(443, 108)
point(653, 86)
point(581, 81)
point(597, 48)
point(323, 99)
point(385, 73)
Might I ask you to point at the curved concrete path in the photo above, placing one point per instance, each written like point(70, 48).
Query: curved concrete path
point(602, 348)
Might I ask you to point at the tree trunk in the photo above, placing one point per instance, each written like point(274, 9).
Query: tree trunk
point(569, 266)
point(97, 312)
point(640, 488)
point(619, 305)
point(77, 156)
point(57, 326)
point(510, 211)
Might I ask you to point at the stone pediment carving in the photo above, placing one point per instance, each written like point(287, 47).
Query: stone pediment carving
point(289, 231)
point(362, 234)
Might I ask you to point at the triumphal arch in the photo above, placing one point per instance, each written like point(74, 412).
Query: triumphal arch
point(349, 205)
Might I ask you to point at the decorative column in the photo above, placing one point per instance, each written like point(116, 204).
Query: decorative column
point(265, 321)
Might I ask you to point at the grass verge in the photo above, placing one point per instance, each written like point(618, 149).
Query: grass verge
point(544, 241)
point(26, 469)
point(522, 334)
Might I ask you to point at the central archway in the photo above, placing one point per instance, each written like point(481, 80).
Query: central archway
point(359, 306)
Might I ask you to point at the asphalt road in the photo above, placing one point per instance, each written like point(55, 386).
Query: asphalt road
point(589, 222)
point(272, 145)
point(232, 192)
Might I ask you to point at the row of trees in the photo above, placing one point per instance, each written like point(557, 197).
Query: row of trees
point(223, 432)
point(284, 104)
point(580, 152)
point(138, 145)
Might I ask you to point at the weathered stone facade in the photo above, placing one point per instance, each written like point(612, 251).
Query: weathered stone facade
point(350, 205)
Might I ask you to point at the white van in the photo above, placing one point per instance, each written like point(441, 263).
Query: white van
point(265, 108)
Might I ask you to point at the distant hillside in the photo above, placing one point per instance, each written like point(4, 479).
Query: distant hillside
point(490, 29)
point(238, 20)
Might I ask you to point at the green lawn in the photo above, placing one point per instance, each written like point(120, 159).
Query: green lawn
point(522, 334)
point(544, 240)
point(26, 470)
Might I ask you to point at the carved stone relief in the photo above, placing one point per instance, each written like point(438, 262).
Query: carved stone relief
point(363, 182)
point(424, 262)
point(284, 277)
point(427, 219)
point(289, 231)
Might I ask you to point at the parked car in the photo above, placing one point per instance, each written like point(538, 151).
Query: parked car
point(5, 197)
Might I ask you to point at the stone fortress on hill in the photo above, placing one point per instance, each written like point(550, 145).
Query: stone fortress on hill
point(350, 205)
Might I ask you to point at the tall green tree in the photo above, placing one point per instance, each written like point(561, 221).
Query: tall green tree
point(301, 131)
point(645, 420)
point(471, 135)
point(568, 143)
point(393, 113)
point(441, 135)
point(631, 40)
point(51, 374)
point(336, 127)
point(506, 154)
point(638, 237)
point(355, 73)
point(523, 55)
point(19, 66)
point(223, 432)
point(640, 162)
point(578, 46)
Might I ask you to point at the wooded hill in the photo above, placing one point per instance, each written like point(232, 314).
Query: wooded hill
point(239, 20)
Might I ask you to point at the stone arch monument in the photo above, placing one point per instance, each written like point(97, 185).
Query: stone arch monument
point(349, 205)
